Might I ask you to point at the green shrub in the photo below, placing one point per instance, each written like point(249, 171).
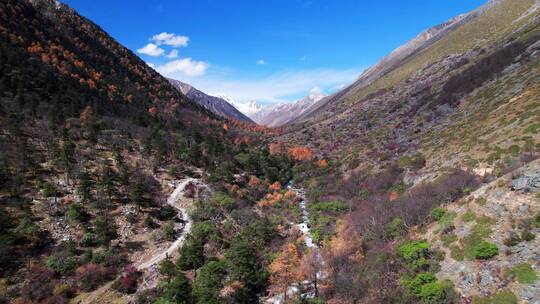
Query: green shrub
point(329, 206)
point(209, 282)
point(536, 221)
point(88, 239)
point(166, 213)
point(76, 212)
point(191, 254)
point(48, 189)
point(316, 235)
point(395, 228)
point(524, 273)
point(149, 222)
point(416, 254)
point(61, 263)
point(168, 231)
point(177, 290)
point(109, 258)
point(225, 201)
point(512, 240)
point(479, 231)
point(105, 230)
point(485, 250)
point(437, 213)
point(527, 236)
point(413, 249)
point(415, 284)
point(431, 292)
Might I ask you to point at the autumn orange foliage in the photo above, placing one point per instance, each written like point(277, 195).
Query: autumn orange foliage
point(276, 148)
point(276, 186)
point(284, 269)
point(271, 200)
point(254, 181)
point(86, 115)
point(322, 163)
point(345, 243)
point(394, 196)
point(300, 153)
point(290, 195)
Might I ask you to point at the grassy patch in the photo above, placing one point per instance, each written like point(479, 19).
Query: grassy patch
point(479, 231)
point(456, 253)
point(329, 206)
point(468, 216)
point(447, 220)
point(448, 239)
point(524, 273)
point(481, 201)
point(502, 297)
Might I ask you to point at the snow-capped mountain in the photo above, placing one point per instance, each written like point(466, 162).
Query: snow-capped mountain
point(248, 108)
point(283, 113)
point(219, 105)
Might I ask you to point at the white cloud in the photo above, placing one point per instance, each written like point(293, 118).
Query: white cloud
point(315, 90)
point(184, 67)
point(170, 39)
point(248, 108)
point(151, 50)
point(303, 58)
point(261, 62)
point(153, 66)
point(173, 54)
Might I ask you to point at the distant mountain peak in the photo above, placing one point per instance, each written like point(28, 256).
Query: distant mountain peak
point(219, 104)
point(248, 108)
point(284, 113)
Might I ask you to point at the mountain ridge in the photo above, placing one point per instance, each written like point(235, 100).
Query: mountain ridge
point(217, 105)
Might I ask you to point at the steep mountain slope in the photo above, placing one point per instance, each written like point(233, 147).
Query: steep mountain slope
point(281, 114)
point(485, 61)
point(217, 105)
point(489, 22)
point(78, 51)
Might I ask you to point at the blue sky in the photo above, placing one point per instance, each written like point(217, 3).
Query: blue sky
point(266, 50)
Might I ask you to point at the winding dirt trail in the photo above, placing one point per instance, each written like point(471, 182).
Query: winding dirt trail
point(174, 200)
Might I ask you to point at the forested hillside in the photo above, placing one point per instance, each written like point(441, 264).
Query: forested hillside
point(92, 142)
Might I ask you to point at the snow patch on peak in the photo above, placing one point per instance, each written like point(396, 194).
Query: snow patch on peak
point(248, 108)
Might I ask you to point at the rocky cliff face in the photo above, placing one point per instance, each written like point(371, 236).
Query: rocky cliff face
point(509, 220)
point(217, 105)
